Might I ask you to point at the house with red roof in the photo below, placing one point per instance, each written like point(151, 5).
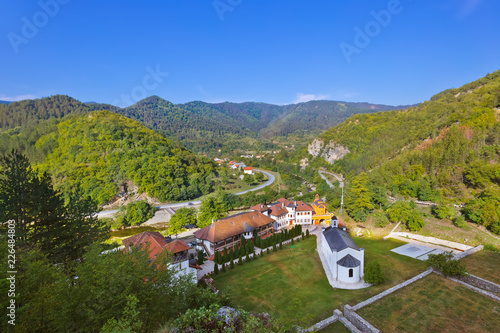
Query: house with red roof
point(287, 213)
point(156, 243)
point(248, 170)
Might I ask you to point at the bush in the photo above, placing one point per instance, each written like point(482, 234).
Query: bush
point(240, 261)
point(216, 269)
point(446, 264)
point(380, 219)
point(223, 268)
point(459, 221)
point(231, 265)
point(307, 233)
point(200, 259)
point(491, 247)
point(373, 273)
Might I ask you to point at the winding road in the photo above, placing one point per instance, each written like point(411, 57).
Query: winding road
point(339, 178)
point(107, 213)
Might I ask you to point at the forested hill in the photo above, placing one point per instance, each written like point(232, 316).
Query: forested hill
point(30, 112)
point(443, 150)
point(200, 126)
point(4, 102)
point(208, 127)
point(103, 153)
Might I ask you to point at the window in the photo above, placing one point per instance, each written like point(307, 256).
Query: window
point(351, 272)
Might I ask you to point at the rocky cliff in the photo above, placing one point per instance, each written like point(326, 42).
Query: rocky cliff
point(331, 152)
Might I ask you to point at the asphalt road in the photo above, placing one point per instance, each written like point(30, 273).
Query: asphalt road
point(341, 182)
point(271, 179)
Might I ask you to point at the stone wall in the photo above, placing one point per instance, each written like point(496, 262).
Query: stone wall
point(468, 252)
point(480, 283)
point(391, 290)
point(358, 321)
point(433, 240)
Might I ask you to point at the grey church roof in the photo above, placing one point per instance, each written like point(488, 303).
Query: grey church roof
point(247, 228)
point(349, 262)
point(339, 239)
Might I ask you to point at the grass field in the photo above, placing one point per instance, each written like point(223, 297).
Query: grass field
point(485, 264)
point(291, 284)
point(434, 304)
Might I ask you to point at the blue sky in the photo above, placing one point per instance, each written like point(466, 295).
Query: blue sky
point(245, 50)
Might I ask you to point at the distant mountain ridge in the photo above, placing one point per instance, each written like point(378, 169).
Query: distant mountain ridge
point(201, 126)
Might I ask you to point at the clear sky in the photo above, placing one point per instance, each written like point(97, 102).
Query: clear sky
point(274, 51)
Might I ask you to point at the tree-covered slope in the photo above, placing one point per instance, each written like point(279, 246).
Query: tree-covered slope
point(446, 150)
point(376, 138)
point(102, 152)
point(32, 111)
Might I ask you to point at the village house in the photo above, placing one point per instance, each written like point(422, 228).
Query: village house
point(248, 170)
point(344, 258)
point(287, 213)
point(227, 232)
point(156, 243)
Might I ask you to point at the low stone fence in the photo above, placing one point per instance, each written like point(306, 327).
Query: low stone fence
point(391, 290)
point(476, 289)
point(468, 252)
point(476, 281)
point(361, 324)
point(322, 324)
point(432, 240)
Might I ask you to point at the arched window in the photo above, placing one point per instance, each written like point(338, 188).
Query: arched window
point(351, 272)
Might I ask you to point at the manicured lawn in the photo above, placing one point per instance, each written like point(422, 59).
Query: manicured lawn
point(485, 264)
point(434, 304)
point(291, 284)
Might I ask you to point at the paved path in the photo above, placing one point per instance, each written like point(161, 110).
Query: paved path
point(196, 202)
point(339, 178)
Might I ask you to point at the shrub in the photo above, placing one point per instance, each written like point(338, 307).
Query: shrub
point(380, 219)
point(307, 233)
point(240, 261)
point(200, 259)
point(374, 273)
point(231, 265)
point(445, 263)
point(216, 269)
point(459, 221)
point(491, 247)
point(223, 268)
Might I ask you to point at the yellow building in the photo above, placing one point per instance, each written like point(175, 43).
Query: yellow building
point(321, 214)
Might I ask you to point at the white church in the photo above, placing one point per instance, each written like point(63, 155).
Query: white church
point(345, 259)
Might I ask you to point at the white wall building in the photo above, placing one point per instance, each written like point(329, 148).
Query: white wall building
point(345, 259)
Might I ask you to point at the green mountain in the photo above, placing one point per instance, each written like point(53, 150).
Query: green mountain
point(199, 126)
point(104, 154)
point(445, 149)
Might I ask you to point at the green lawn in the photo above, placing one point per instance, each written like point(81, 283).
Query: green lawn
point(485, 264)
point(292, 284)
point(434, 304)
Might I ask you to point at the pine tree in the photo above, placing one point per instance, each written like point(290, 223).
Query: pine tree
point(243, 242)
point(231, 265)
point(223, 268)
point(274, 247)
point(216, 269)
point(240, 261)
point(307, 233)
point(303, 236)
point(200, 260)
point(293, 242)
point(248, 258)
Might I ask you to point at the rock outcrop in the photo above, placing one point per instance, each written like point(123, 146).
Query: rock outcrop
point(331, 152)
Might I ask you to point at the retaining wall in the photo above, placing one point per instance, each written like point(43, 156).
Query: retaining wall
point(358, 321)
point(480, 283)
point(468, 252)
point(433, 240)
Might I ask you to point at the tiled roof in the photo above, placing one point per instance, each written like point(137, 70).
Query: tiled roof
point(339, 239)
point(176, 246)
point(248, 168)
point(232, 226)
point(278, 209)
point(260, 208)
point(349, 261)
point(302, 206)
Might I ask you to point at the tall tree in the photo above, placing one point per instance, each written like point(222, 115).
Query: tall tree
point(211, 208)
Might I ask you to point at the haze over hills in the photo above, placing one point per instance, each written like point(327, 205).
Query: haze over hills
point(200, 126)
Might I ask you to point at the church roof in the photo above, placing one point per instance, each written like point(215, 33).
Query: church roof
point(349, 261)
point(339, 239)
